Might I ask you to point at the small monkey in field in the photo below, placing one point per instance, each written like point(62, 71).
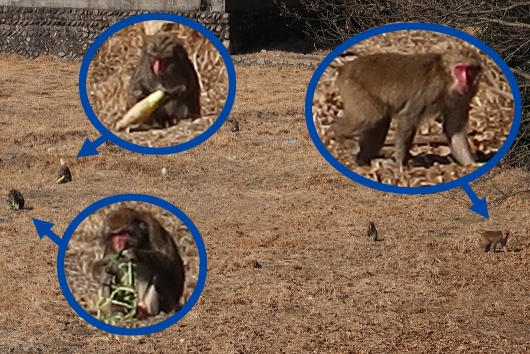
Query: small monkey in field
point(135, 235)
point(15, 200)
point(64, 174)
point(492, 238)
point(408, 87)
point(372, 231)
point(234, 126)
point(164, 65)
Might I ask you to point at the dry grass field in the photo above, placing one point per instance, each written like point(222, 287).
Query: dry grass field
point(290, 269)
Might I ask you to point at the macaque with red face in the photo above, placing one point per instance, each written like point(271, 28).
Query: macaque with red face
point(492, 238)
point(409, 88)
point(137, 236)
point(372, 231)
point(164, 65)
point(64, 175)
point(15, 199)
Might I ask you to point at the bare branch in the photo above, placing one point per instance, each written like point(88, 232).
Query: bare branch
point(520, 73)
point(505, 23)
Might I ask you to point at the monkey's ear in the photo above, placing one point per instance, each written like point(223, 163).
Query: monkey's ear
point(168, 26)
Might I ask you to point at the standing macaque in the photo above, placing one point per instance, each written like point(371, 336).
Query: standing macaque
point(490, 238)
point(15, 200)
point(64, 174)
point(135, 235)
point(372, 231)
point(164, 65)
point(375, 88)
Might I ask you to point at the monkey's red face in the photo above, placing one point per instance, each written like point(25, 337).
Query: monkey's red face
point(465, 76)
point(505, 235)
point(119, 241)
point(157, 64)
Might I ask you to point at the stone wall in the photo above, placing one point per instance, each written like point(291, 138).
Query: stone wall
point(68, 32)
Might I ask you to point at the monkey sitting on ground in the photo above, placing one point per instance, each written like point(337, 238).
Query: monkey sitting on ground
point(235, 126)
point(372, 231)
point(375, 88)
point(64, 174)
point(15, 200)
point(135, 235)
point(492, 238)
point(164, 65)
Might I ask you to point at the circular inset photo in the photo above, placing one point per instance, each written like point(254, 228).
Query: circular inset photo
point(413, 105)
point(133, 267)
point(157, 83)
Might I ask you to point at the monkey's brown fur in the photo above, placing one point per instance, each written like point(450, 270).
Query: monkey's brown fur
point(375, 88)
point(235, 126)
point(492, 238)
point(137, 236)
point(15, 198)
point(372, 231)
point(65, 171)
point(164, 65)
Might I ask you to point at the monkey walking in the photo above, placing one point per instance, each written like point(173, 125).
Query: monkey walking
point(375, 88)
point(372, 231)
point(135, 235)
point(15, 200)
point(164, 65)
point(492, 238)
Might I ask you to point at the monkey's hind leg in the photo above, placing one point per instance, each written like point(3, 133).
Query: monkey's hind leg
point(366, 118)
point(148, 301)
point(371, 141)
point(494, 245)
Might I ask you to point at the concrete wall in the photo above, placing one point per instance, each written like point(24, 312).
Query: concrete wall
point(231, 6)
point(67, 32)
point(157, 5)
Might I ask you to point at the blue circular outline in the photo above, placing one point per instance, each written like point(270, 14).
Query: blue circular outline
point(63, 283)
point(413, 26)
point(109, 135)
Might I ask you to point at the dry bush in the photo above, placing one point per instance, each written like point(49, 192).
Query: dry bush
point(110, 73)
point(491, 115)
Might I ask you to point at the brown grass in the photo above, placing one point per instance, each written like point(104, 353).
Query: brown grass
point(289, 266)
point(490, 117)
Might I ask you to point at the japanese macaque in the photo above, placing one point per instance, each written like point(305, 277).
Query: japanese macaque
point(375, 88)
point(492, 238)
point(234, 127)
point(135, 235)
point(64, 174)
point(372, 231)
point(15, 200)
point(164, 65)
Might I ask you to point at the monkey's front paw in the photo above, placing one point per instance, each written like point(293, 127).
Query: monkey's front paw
point(127, 254)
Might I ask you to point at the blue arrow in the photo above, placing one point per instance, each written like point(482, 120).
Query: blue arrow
point(480, 206)
point(89, 148)
point(44, 228)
